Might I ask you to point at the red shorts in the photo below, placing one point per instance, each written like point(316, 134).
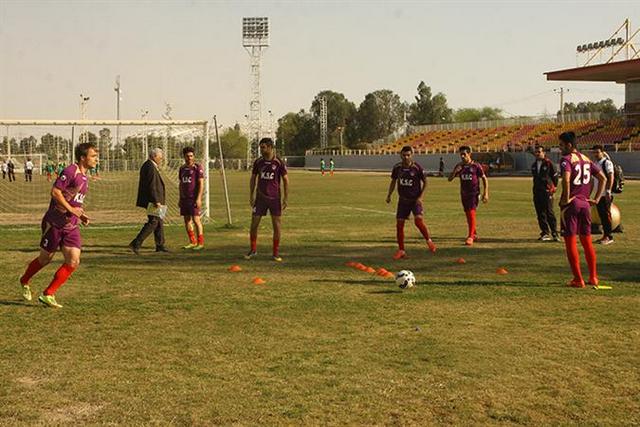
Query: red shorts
point(575, 220)
point(188, 207)
point(54, 238)
point(264, 204)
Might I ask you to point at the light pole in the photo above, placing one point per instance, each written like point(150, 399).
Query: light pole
point(145, 146)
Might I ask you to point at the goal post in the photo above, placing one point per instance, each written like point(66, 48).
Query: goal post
point(114, 182)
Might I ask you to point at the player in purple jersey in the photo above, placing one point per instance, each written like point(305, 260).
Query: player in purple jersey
point(191, 176)
point(412, 184)
point(60, 224)
point(577, 171)
point(267, 172)
point(470, 173)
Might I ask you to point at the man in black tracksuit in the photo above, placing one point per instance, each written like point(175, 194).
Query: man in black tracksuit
point(545, 180)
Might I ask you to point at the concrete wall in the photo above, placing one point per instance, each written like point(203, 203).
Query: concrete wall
point(630, 162)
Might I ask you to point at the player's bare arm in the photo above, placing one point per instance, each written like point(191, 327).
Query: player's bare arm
point(252, 189)
point(601, 186)
point(57, 195)
point(285, 189)
point(564, 199)
point(200, 191)
point(485, 189)
point(455, 172)
point(424, 189)
point(392, 187)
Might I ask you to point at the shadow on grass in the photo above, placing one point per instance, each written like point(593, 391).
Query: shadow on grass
point(385, 292)
point(19, 303)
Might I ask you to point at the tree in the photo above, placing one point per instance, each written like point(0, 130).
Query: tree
point(297, 132)
point(340, 114)
point(381, 113)
point(604, 106)
point(477, 114)
point(427, 109)
point(234, 144)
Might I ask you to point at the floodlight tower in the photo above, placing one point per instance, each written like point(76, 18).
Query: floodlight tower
point(118, 99)
point(323, 121)
point(255, 38)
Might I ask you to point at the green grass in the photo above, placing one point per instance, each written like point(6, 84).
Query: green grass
point(176, 339)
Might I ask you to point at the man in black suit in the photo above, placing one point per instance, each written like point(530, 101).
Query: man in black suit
point(545, 180)
point(151, 196)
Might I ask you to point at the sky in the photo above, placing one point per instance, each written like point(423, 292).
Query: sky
point(190, 54)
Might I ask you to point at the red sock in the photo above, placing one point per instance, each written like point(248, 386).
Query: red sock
point(571, 245)
point(276, 247)
point(400, 234)
point(590, 255)
point(59, 278)
point(201, 239)
point(33, 267)
point(422, 227)
point(192, 237)
point(254, 241)
point(471, 221)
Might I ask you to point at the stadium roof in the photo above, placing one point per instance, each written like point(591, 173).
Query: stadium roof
point(619, 72)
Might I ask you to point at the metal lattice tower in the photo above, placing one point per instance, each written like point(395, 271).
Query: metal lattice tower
point(323, 122)
point(255, 38)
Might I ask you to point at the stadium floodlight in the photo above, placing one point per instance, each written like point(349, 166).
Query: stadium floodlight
point(255, 38)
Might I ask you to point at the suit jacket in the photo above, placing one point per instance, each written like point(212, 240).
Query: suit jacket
point(545, 180)
point(150, 186)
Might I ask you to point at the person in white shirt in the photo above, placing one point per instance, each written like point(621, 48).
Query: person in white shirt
point(604, 206)
point(28, 170)
point(4, 169)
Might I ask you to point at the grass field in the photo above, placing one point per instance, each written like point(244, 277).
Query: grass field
point(177, 339)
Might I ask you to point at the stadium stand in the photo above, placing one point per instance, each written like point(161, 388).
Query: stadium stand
point(615, 135)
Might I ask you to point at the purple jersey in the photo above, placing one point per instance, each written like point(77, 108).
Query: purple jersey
point(470, 176)
point(74, 187)
point(409, 180)
point(269, 173)
point(582, 169)
point(189, 177)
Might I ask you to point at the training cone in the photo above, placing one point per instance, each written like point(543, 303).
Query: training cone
point(258, 281)
point(389, 275)
point(351, 264)
point(235, 268)
point(370, 270)
point(361, 267)
point(381, 272)
point(461, 261)
point(501, 271)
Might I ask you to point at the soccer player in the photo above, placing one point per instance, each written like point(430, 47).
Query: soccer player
point(412, 184)
point(60, 224)
point(604, 205)
point(332, 166)
point(28, 170)
point(191, 176)
point(322, 166)
point(545, 181)
point(268, 170)
point(577, 171)
point(470, 173)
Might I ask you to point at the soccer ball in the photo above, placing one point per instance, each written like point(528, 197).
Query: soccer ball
point(405, 279)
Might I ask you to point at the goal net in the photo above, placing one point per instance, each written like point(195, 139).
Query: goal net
point(123, 148)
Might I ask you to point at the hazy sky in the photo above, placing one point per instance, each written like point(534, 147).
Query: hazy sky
point(190, 54)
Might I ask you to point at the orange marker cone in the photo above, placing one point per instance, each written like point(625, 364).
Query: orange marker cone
point(258, 281)
point(461, 261)
point(501, 271)
point(370, 270)
point(351, 264)
point(361, 267)
point(381, 272)
point(389, 275)
point(235, 268)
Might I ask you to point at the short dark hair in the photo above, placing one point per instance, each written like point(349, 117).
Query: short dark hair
point(568, 137)
point(82, 150)
point(464, 149)
point(597, 147)
point(186, 150)
point(540, 147)
point(406, 148)
point(267, 141)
